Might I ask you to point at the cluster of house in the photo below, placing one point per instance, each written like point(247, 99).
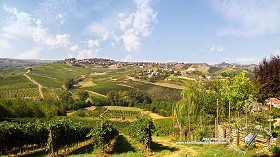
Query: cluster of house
point(102, 61)
point(153, 72)
point(96, 61)
point(274, 102)
point(234, 65)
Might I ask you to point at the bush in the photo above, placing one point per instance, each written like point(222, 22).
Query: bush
point(164, 127)
point(275, 150)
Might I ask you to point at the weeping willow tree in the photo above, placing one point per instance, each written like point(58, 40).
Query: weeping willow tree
point(189, 109)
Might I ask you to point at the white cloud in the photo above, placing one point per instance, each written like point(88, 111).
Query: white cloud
point(31, 54)
point(113, 44)
point(131, 42)
point(127, 58)
point(86, 54)
point(102, 29)
point(25, 25)
point(137, 24)
point(250, 17)
point(54, 11)
point(105, 36)
point(74, 48)
point(217, 48)
point(93, 43)
point(60, 18)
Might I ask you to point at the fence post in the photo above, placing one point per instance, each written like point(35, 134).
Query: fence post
point(149, 137)
point(51, 140)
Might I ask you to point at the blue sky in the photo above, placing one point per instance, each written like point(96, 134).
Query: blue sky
point(209, 31)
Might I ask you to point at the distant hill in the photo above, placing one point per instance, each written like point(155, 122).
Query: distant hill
point(8, 64)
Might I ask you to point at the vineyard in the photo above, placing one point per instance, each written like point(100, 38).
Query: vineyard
point(15, 85)
point(60, 135)
point(109, 114)
point(55, 75)
point(157, 92)
point(20, 93)
point(54, 135)
point(120, 114)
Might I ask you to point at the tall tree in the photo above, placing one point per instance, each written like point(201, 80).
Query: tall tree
point(69, 84)
point(268, 74)
point(83, 95)
point(189, 108)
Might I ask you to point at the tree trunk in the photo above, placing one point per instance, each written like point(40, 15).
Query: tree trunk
point(201, 125)
point(217, 115)
point(189, 131)
point(246, 119)
point(237, 138)
point(51, 142)
point(216, 128)
point(229, 125)
point(270, 117)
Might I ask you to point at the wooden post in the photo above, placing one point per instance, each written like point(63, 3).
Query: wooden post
point(270, 117)
point(217, 111)
point(51, 142)
point(216, 132)
point(246, 119)
point(217, 120)
point(149, 137)
point(201, 126)
point(189, 132)
point(237, 138)
point(229, 117)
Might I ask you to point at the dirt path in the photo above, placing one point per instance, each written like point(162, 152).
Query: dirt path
point(182, 149)
point(96, 93)
point(36, 83)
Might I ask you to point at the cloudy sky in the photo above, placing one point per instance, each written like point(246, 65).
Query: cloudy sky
point(208, 31)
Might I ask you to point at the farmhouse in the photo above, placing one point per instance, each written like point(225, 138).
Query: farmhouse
point(273, 101)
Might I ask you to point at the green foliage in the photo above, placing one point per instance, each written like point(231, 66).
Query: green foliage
point(164, 127)
point(122, 114)
point(275, 150)
point(106, 113)
point(69, 84)
point(17, 86)
point(99, 101)
point(237, 90)
point(83, 95)
point(20, 134)
point(66, 132)
point(128, 98)
point(66, 97)
point(18, 108)
point(103, 134)
point(139, 130)
point(55, 75)
point(161, 107)
point(34, 131)
point(157, 92)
